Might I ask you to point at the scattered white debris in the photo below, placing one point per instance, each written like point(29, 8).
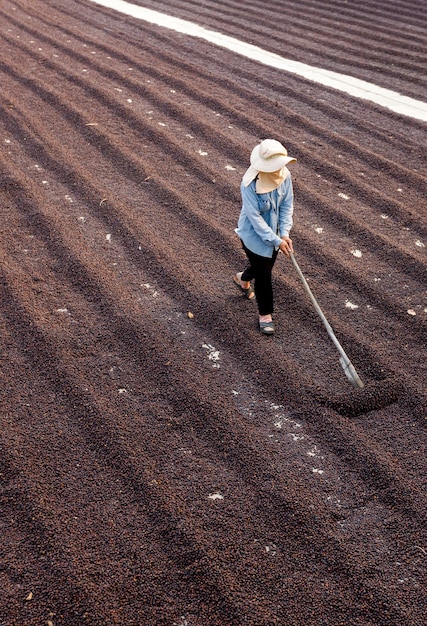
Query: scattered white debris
point(7, 141)
point(419, 244)
point(334, 500)
point(400, 189)
point(377, 280)
point(45, 182)
point(271, 549)
point(384, 216)
point(216, 496)
point(161, 124)
point(202, 153)
point(319, 229)
point(284, 419)
point(154, 293)
point(350, 305)
point(296, 437)
point(68, 199)
point(189, 136)
point(118, 89)
point(108, 237)
point(411, 312)
point(317, 471)
point(275, 407)
point(81, 218)
point(129, 100)
point(235, 393)
point(356, 253)
point(230, 168)
point(62, 310)
point(172, 91)
point(123, 390)
point(213, 354)
point(344, 196)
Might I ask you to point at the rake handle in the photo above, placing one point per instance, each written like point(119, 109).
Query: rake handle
point(319, 311)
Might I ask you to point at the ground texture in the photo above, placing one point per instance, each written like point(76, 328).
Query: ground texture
point(161, 462)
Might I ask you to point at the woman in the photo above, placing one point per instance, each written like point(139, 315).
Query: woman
point(264, 223)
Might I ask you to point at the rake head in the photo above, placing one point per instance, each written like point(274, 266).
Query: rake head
point(351, 373)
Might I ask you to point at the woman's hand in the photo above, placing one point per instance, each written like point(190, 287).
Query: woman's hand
point(286, 246)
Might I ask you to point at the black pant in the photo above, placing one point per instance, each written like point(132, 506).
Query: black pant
point(260, 268)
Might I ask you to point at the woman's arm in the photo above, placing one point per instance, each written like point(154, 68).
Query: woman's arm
point(286, 210)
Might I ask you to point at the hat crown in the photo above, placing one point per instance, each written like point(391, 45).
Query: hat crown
point(270, 148)
point(268, 156)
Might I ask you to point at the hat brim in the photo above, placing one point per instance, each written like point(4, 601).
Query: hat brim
point(272, 164)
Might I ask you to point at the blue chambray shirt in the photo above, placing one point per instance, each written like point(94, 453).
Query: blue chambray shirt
point(265, 217)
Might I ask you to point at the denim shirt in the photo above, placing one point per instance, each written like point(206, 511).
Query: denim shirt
point(265, 217)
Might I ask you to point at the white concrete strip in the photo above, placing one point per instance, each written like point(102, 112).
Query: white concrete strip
point(342, 82)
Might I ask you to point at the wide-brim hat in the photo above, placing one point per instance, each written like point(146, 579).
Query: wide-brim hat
point(268, 156)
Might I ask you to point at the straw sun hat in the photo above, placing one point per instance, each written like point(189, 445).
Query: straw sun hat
point(268, 156)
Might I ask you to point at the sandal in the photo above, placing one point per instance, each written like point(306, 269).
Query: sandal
point(267, 328)
point(249, 292)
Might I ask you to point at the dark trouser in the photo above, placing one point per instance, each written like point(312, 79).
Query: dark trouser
point(260, 268)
